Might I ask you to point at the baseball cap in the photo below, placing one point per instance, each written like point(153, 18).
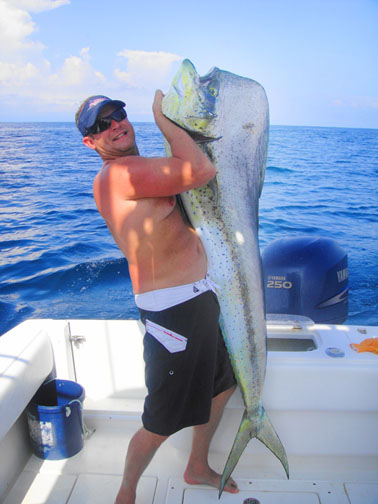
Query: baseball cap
point(90, 110)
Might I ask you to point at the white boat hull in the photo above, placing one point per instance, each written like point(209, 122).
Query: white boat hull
point(325, 409)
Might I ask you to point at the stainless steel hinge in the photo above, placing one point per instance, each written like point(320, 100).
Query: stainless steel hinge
point(77, 340)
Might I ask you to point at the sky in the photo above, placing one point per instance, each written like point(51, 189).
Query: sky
point(316, 59)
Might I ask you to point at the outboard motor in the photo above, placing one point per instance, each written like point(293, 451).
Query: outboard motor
point(306, 276)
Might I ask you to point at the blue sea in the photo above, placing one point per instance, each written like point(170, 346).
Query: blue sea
point(58, 259)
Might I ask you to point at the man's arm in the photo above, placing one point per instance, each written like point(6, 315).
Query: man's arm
point(182, 145)
point(136, 177)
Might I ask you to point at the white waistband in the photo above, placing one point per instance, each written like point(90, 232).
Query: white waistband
point(161, 299)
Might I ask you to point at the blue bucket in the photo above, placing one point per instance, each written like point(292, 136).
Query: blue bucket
point(55, 419)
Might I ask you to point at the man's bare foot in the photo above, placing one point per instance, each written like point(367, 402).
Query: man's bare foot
point(211, 478)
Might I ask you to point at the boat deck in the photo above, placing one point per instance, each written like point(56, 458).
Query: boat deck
point(320, 394)
point(94, 475)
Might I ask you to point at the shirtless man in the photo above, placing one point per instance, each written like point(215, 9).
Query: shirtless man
point(188, 375)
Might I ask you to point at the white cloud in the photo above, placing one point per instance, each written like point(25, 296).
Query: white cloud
point(63, 89)
point(147, 70)
point(142, 73)
point(77, 71)
point(74, 81)
point(27, 77)
point(25, 72)
point(12, 75)
point(38, 5)
point(21, 60)
point(15, 26)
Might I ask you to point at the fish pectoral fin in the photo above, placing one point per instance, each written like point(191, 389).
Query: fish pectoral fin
point(267, 435)
point(213, 186)
point(260, 428)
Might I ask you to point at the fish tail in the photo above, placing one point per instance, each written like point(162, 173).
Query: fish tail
point(267, 435)
point(260, 428)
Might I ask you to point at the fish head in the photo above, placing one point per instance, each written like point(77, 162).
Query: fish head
point(190, 101)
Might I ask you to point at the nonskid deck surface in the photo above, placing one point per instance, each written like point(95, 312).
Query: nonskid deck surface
point(93, 476)
point(100, 488)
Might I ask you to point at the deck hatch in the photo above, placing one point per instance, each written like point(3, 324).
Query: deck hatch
point(290, 344)
point(265, 491)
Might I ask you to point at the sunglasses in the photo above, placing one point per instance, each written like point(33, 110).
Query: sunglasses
point(104, 123)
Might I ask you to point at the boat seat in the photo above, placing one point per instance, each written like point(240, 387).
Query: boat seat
point(26, 359)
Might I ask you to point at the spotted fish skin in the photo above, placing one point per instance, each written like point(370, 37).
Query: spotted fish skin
point(228, 116)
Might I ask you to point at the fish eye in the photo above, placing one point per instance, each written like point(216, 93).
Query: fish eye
point(212, 91)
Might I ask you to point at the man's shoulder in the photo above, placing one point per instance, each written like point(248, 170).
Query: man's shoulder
point(118, 167)
point(124, 161)
point(122, 178)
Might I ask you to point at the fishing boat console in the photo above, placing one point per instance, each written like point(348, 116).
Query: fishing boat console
point(320, 394)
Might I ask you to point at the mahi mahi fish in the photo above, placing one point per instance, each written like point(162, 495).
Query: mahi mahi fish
point(228, 116)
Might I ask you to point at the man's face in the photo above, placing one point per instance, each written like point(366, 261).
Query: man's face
point(116, 141)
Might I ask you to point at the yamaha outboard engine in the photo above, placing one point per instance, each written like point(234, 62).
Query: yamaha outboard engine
point(306, 276)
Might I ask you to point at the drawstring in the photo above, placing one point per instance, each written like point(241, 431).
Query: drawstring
point(212, 285)
point(206, 284)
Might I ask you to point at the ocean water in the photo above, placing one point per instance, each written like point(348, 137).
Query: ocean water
point(58, 260)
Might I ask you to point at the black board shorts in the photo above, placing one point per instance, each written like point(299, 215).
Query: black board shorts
point(187, 364)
